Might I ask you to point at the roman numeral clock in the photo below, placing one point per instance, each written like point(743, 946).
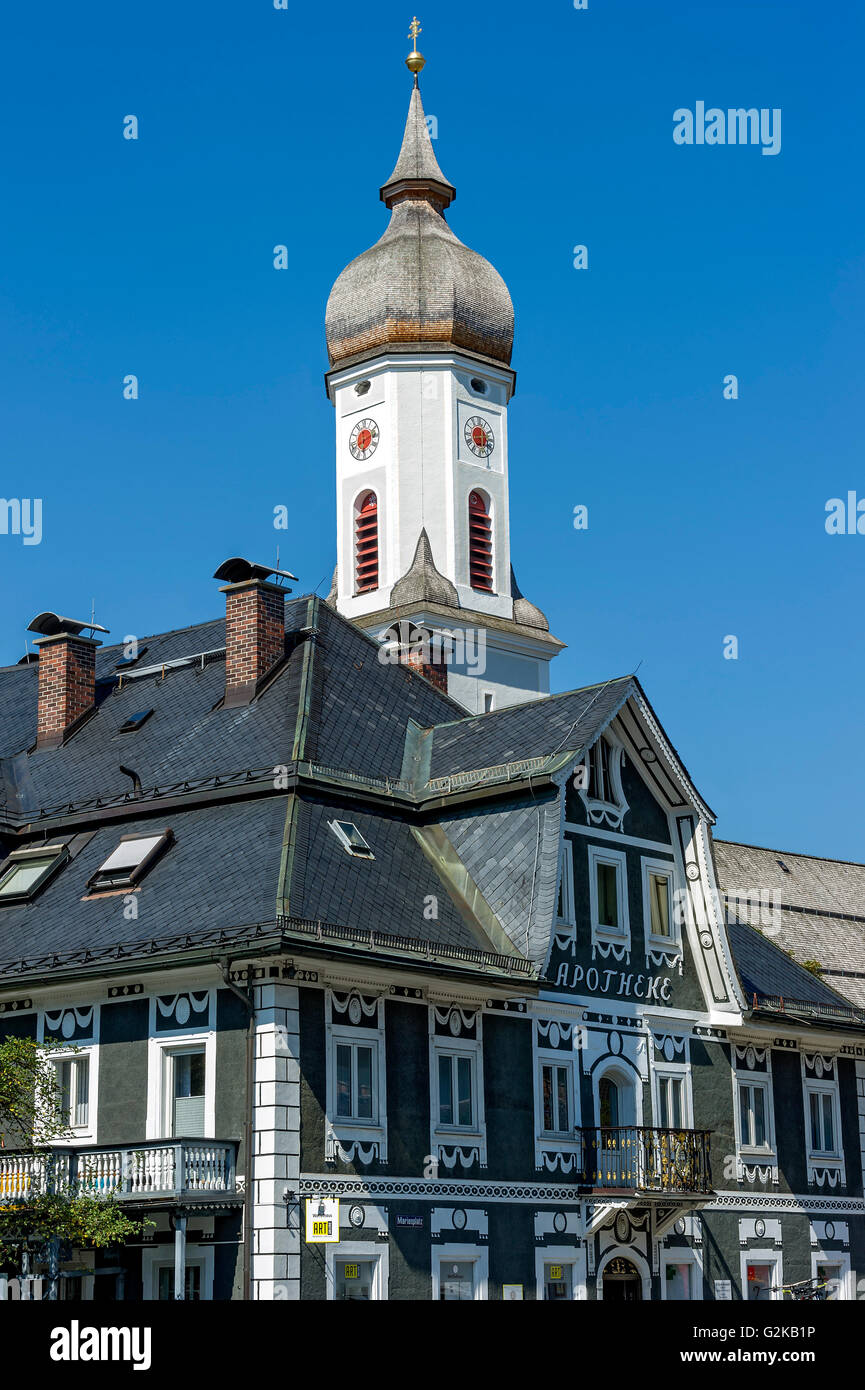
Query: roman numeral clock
point(363, 440)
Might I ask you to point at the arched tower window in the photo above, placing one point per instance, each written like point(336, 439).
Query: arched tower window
point(480, 543)
point(366, 544)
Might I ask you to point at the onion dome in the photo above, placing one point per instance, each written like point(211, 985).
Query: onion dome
point(419, 287)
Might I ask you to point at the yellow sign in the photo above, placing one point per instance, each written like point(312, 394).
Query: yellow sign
point(350, 1272)
point(322, 1220)
point(555, 1271)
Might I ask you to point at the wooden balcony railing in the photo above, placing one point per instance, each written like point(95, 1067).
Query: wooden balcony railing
point(638, 1158)
point(135, 1172)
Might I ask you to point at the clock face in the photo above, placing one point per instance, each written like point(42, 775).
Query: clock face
point(363, 440)
point(479, 436)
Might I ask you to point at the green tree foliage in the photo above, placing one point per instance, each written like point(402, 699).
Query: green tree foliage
point(31, 1122)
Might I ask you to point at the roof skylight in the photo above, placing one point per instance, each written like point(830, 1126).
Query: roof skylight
point(134, 855)
point(26, 871)
point(351, 839)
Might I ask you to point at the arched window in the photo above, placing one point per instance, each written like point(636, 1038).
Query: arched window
point(366, 544)
point(480, 543)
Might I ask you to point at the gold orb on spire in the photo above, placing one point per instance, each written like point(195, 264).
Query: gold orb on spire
point(415, 61)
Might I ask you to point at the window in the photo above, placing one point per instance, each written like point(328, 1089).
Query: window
point(565, 908)
point(460, 1273)
point(558, 1281)
point(186, 1074)
point(356, 1110)
point(355, 1081)
point(26, 871)
point(600, 771)
point(762, 1281)
point(129, 861)
point(356, 1271)
point(608, 895)
point(679, 1280)
point(366, 544)
point(135, 721)
point(608, 1103)
point(456, 1089)
point(165, 1283)
point(659, 904)
point(671, 1102)
point(480, 543)
point(351, 839)
point(556, 1098)
point(489, 699)
point(72, 1076)
point(753, 1112)
point(822, 1128)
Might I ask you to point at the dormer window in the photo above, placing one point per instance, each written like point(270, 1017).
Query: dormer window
point(600, 778)
point(603, 796)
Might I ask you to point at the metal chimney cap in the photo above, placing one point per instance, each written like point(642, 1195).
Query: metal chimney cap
point(51, 625)
point(236, 570)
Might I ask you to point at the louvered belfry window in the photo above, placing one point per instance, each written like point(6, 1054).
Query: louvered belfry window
point(480, 543)
point(366, 544)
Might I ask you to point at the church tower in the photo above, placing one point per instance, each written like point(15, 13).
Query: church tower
point(419, 336)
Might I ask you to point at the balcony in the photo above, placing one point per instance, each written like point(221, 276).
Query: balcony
point(638, 1159)
point(175, 1169)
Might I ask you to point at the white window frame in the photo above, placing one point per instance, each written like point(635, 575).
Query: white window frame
point(360, 1251)
point(846, 1290)
point(354, 1038)
point(755, 1156)
point(566, 870)
point(673, 1071)
point(818, 1158)
point(575, 1256)
point(453, 1051)
point(160, 1108)
point(762, 1257)
point(163, 1256)
point(661, 868)
point(620, 936)
point(612, 811)
point(86, 1050)
point(477, 1255)
point(683, 1255)
point(463, 1136)
point(341, 1129)
point(549, 1058)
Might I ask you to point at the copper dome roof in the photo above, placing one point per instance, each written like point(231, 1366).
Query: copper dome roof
point(419, 286)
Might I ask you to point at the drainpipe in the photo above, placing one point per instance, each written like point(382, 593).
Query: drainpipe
point(246, 998)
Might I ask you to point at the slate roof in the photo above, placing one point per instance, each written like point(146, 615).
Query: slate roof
point(539, 728)
point(817, 907)
point(767, 971)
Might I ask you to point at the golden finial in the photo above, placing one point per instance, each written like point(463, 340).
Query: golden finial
point(415, 61)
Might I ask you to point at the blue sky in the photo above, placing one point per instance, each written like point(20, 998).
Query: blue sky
point(258, 127)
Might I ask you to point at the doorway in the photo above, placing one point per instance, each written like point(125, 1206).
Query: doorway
point(622, 1282)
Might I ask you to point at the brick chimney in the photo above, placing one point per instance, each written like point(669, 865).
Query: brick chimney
point(420, 649)
point(67, 675)
point(254, 625)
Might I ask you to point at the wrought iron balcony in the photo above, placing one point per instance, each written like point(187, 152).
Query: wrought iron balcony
point(172, 1168)
point(637, 1158)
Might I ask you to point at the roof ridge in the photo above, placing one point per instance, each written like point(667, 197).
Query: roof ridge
point(790, 853)
point(538, 700)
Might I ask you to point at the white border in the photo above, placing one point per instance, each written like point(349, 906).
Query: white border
point(359, 1250)
point(478, 1254)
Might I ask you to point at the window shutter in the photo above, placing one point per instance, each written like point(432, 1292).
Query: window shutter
point(480, 544)
point(366, 545)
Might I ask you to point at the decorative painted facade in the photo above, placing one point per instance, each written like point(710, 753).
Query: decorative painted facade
point(314, 933)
